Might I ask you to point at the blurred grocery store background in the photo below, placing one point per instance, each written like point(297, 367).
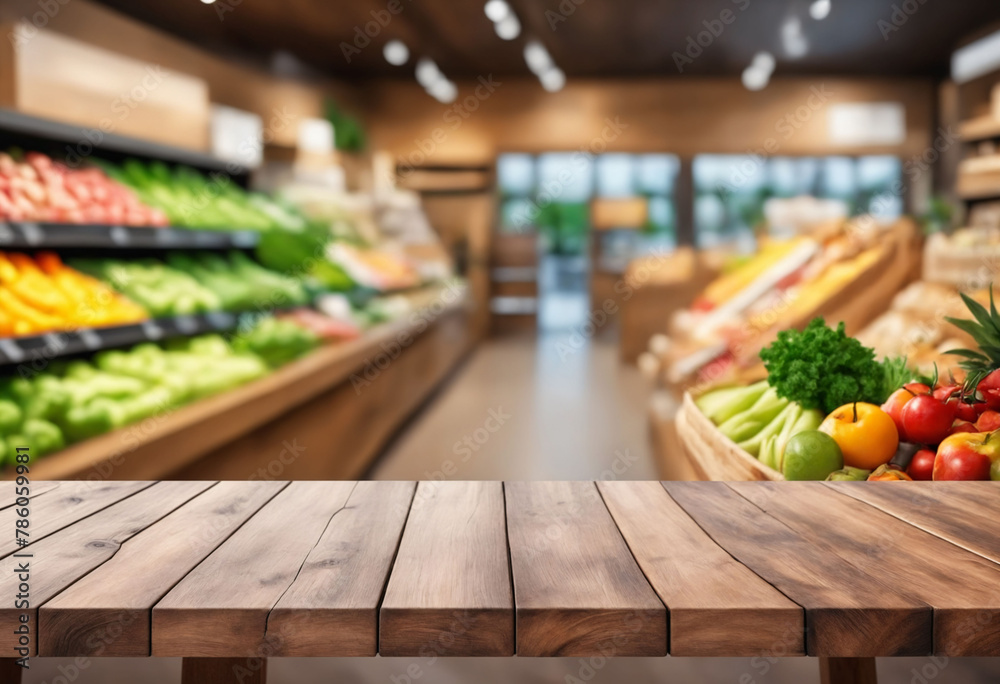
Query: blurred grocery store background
point(471, 240)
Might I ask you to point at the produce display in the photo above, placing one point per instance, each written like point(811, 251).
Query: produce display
point(41, 294)
point(785, 285)
point(189, 199)
point(829, 409)
point(33, 187)
point(915, 326)
point(74, 401)
point(197, 283)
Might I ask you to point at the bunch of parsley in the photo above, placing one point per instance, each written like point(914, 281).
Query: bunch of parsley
point(822, 368)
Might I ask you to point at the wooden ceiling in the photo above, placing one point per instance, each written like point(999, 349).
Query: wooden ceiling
point(598, 38)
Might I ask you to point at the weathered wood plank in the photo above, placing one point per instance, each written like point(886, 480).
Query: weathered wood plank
point(849, 612)
point(966, 615)
point(63, 506)
point(449, 593)
point(577, 588)
point(717, 606)
point(331, 609)
point(220, 609)
point(957, 511)
point(10, 491)
point(85, 545)
point(108, 612)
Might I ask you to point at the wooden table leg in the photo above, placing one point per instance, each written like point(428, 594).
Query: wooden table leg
point(224, 671)
point(847, 671)
point(10, 671)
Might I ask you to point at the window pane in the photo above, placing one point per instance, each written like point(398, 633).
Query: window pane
point(838, 180)
point(516, 174)
point(517, 214)
point(565, 177)
point(616, 175)
point(656, 173)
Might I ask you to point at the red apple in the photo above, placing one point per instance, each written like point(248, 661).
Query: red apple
point(927, 420)
point(922, 465)
point(967, 456)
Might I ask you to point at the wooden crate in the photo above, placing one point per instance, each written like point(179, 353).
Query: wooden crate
point(49, 75)
point(713, 455)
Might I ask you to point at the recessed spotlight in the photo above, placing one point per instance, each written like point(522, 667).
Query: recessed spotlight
point(537, 57)
point(428, 73)
point(819, 10)
point(553, 79)
point(443, 91)
point(794, 43)
point(764, 61)
point(497, 10)
point(396, 53)
point(508, 28)
point(207, 2)
point(755, 78)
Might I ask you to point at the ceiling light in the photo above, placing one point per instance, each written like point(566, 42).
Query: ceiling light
point(537, 57)
point(497, 10)
point(764, 61)
point(792, 40)
point(755, 78)
point(553, 79)
point(443, 91)
point(428, 73)
point(208, 2)
point(508, 28)
point(396, 53)
point(819, 9)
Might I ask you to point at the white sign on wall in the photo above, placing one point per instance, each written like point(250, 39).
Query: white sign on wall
point(236, 136)
point(866, 123)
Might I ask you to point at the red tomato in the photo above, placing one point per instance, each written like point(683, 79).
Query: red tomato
point(922, 465)
point(927, 420)
point(988, 422)
point(963, 426)
point(944, 392)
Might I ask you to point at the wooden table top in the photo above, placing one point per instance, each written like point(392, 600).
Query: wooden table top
point(234, 569)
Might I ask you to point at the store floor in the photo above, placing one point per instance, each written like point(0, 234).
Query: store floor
point(556, 407)
point(523, 408)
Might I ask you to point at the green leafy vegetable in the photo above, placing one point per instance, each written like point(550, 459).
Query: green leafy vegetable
point(895, 374)
point(822, 368)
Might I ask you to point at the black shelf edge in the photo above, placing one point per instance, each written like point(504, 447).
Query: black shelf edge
point(31, 235)
point(53, 345)
point(90, 138)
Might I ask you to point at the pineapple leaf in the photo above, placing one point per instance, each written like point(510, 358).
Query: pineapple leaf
point(980, 313)
point(969, 354)
point(982, 335)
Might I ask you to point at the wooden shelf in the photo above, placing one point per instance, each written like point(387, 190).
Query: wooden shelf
point(981, 128)
point(163, 445)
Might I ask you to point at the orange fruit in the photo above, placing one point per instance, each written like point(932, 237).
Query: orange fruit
point(866, 435)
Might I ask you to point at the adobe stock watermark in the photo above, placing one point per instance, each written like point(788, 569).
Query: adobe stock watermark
point(554, 188)
point(365, 33)
point(562, 13)
point(29, 27)
point(900, 14)
point(713, 28)
point(453, 118)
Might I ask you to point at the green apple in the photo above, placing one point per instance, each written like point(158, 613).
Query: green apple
point(811, 455)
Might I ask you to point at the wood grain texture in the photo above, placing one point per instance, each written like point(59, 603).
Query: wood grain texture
point(956, 511)
point(9, 491)
point(220, 609)
point(331, 609)
point(847, 671)
point(84, 546)
point(717, 606)
point(966, 615)
point(849, 612)
point(63, 506)
point(117, 598)
point(224, 671)
point(577, 588)
point(450, 588)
